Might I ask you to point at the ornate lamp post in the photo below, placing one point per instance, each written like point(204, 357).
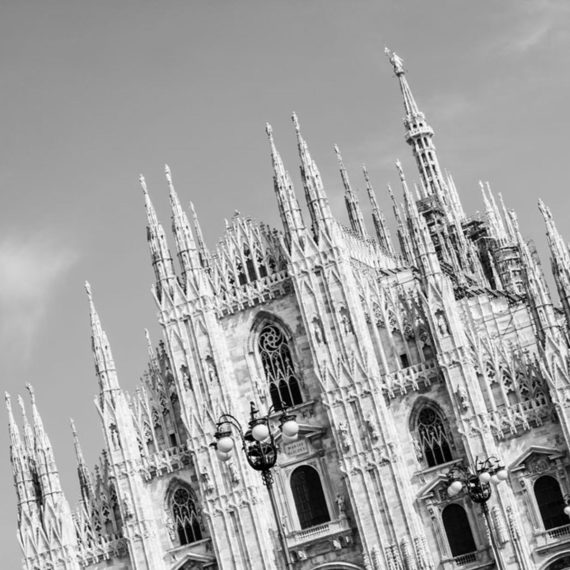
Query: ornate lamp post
point(258, 444)
point(476, 481)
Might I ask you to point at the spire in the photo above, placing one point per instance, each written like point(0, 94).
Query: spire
point(536, 288)
point(289, 209)
point(185, 244)
point(403, 234)
point(351, 200)
point(559, 259)
point(510, 230)
point(454, 197)
point(28, 434)
point(419, 136)
point(21, 459)
point(410, 104)
point(496, 226)
point(85, 483)
point(45, 461)
point(203, 252)
point(425, 254)
point(317, 200)
point(104, 362)
point(380, 227)
point(161, 258)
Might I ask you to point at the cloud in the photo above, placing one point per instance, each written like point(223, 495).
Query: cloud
point(537, 22)
point(30, 269)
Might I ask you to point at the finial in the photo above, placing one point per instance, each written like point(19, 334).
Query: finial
point(73, 428)
point(338, 155)
point(390, 191)
point(88, 289)
point(365, 172)
point(396, 61)
point(21, 404)
point(269, 131)
point(142, 182)
point(400, 170)
point(31, 392)
point(544, 210)
point(8, 400)
point(168, 173)
point(296, 122)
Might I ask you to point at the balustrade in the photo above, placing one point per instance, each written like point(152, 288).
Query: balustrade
point(318, 532)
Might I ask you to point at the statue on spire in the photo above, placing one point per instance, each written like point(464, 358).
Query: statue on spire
point(396, 61)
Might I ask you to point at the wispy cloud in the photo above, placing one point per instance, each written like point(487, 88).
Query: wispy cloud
point(30, 269)
point(537, 22)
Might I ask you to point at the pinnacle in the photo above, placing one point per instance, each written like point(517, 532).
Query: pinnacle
point(296, 122)
point(30, 389)
point(168, 173)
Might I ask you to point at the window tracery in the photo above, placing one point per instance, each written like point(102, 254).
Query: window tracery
point(278, 367)
point(433, 436)
point(185, 516)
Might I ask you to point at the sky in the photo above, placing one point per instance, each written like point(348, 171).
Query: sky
point(94, 93)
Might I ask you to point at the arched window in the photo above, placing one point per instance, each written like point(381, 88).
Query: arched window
point(433, 436)
point(550, 502)
point(185, 517)
point(560, 564)
point(278, 367)
point(458, 530)
point(309, 497)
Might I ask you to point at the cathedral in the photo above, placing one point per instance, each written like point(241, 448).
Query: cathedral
point(426, 376)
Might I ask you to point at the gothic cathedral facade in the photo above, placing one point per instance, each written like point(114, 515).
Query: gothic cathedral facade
point(399, 364)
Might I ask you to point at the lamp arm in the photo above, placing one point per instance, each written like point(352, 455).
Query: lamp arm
point(232, 421)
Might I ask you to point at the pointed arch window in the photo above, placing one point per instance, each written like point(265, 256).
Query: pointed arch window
point(185, 517)
point(550, 502)
point(458, 530)
point(309, 497)
point(278, 367)
point(433, 435)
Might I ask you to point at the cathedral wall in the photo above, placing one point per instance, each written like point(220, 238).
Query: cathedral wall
point(114, 564)
point(157, 490)
point(496, 316)
point(241, 335)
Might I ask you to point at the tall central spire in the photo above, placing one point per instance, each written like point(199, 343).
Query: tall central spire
point(419, 134)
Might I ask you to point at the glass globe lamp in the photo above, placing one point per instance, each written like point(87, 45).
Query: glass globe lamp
point(454, 488)
point(484, 477)
point(290, 428)
point(260, 432)
point(225, 444)
point(502, 474)
point(222, 455)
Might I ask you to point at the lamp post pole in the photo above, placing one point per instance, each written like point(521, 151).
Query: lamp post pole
point(476, 481)
point(258, 444)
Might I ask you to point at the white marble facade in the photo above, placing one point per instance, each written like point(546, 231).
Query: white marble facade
point(400, 360)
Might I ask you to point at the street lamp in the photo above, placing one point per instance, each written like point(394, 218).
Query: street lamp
point(258, 444)
point(476, 481)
